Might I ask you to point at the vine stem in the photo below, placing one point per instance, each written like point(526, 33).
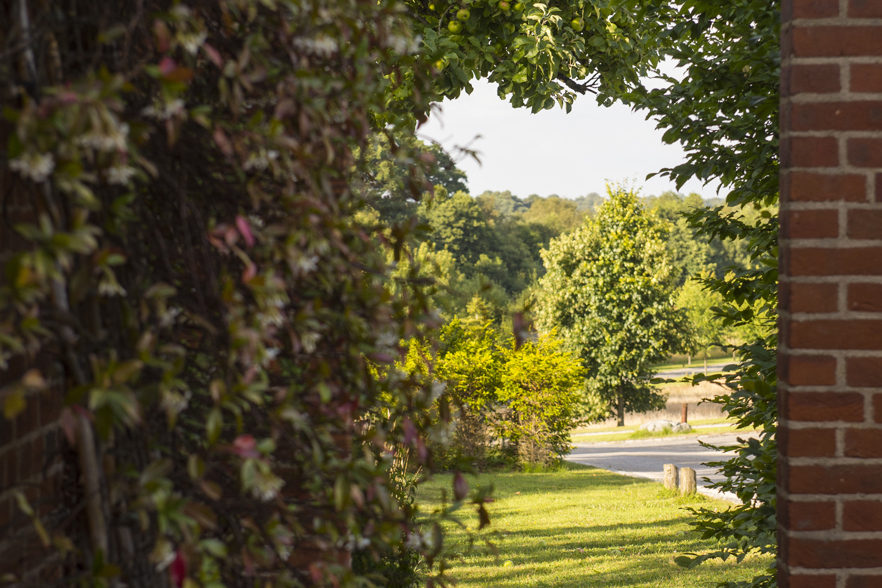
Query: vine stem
point(86, 449)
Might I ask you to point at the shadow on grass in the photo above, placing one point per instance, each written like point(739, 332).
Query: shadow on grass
point(583, 527)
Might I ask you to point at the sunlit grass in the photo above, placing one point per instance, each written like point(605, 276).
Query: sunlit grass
point(635, 433)
point(696, 363)
point(583, 527)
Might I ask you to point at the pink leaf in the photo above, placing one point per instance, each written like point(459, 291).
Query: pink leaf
point(245, 230)
point(248, 273)
point(178, 569)
point(245, 446)
point(167, 65)
point(221, 139)
point(213, 54)
point(410, 433)
point(460, 486)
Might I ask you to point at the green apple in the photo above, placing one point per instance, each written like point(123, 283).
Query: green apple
point(463, 14)
point(504, 6)
point(431, 7)
point(454, 26)
point(578, 24)
point(519, 7)
point(439, 65)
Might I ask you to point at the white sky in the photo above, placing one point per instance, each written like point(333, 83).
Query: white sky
point(552, 152)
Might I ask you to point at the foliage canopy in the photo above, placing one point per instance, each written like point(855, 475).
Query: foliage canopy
point(608, 290)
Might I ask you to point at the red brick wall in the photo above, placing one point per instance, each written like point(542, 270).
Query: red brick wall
point(830, 370)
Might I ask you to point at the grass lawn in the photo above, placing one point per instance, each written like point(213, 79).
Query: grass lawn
point(582, 527)
point(634, 433)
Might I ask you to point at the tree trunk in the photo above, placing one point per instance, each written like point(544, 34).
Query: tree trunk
point(705, 362)
point(688, 359)
point(620, 409)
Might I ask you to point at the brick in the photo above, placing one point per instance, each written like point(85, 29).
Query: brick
point(862, 515)
point(817, 261)
point(865, 9)
point(837, 479)
point(838, 116)
point(796, 297)
point(815, 8)
point(807, 442)
point(809, 370)
point(863, 581)
point(814, 187)
point(863, 443)
point(812, 79)
point(825, 406)
point(864, 372)
point(803, 581)
point(810, 152)
point(865, 297)
point(836, 41)
point(835, 334)
point(865, 224)
point(865, 152)
point(807, 516)
point(866, 77)
point(810, 224)
point(831, 554)
point(877, 408)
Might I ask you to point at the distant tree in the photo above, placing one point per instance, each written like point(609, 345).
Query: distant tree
point(555, 212)
point(389, 185)
point(706, 327)
point(690, 254)
point(460, 225)
point(608, 292)
point(445, 173)
point(589, 202)
point(502, 204)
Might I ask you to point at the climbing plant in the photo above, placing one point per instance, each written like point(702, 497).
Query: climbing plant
point(192, 281)
point(722, 107)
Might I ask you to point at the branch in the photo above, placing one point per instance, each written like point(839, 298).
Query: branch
point(577, 87)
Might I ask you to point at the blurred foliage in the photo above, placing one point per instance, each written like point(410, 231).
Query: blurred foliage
point(198, 276)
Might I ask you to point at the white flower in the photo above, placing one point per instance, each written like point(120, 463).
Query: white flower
point(173, 402)
point(413, 541)
point(165, 111)
point(114, 140)
point(36, 166)
point(192, 41)
point(309, 340)
point(266, 485)
point(120, 174)
point(320, 45)
point(306, 263)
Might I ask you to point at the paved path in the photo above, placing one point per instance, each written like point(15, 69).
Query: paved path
point(677, 373)
point(645, 458)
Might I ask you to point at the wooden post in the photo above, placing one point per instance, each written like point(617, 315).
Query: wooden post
point(687, 481)
point(670, 476)
point(684, 413)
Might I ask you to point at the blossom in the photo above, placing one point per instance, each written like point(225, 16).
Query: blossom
point(36, 166)
point(120, 174)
